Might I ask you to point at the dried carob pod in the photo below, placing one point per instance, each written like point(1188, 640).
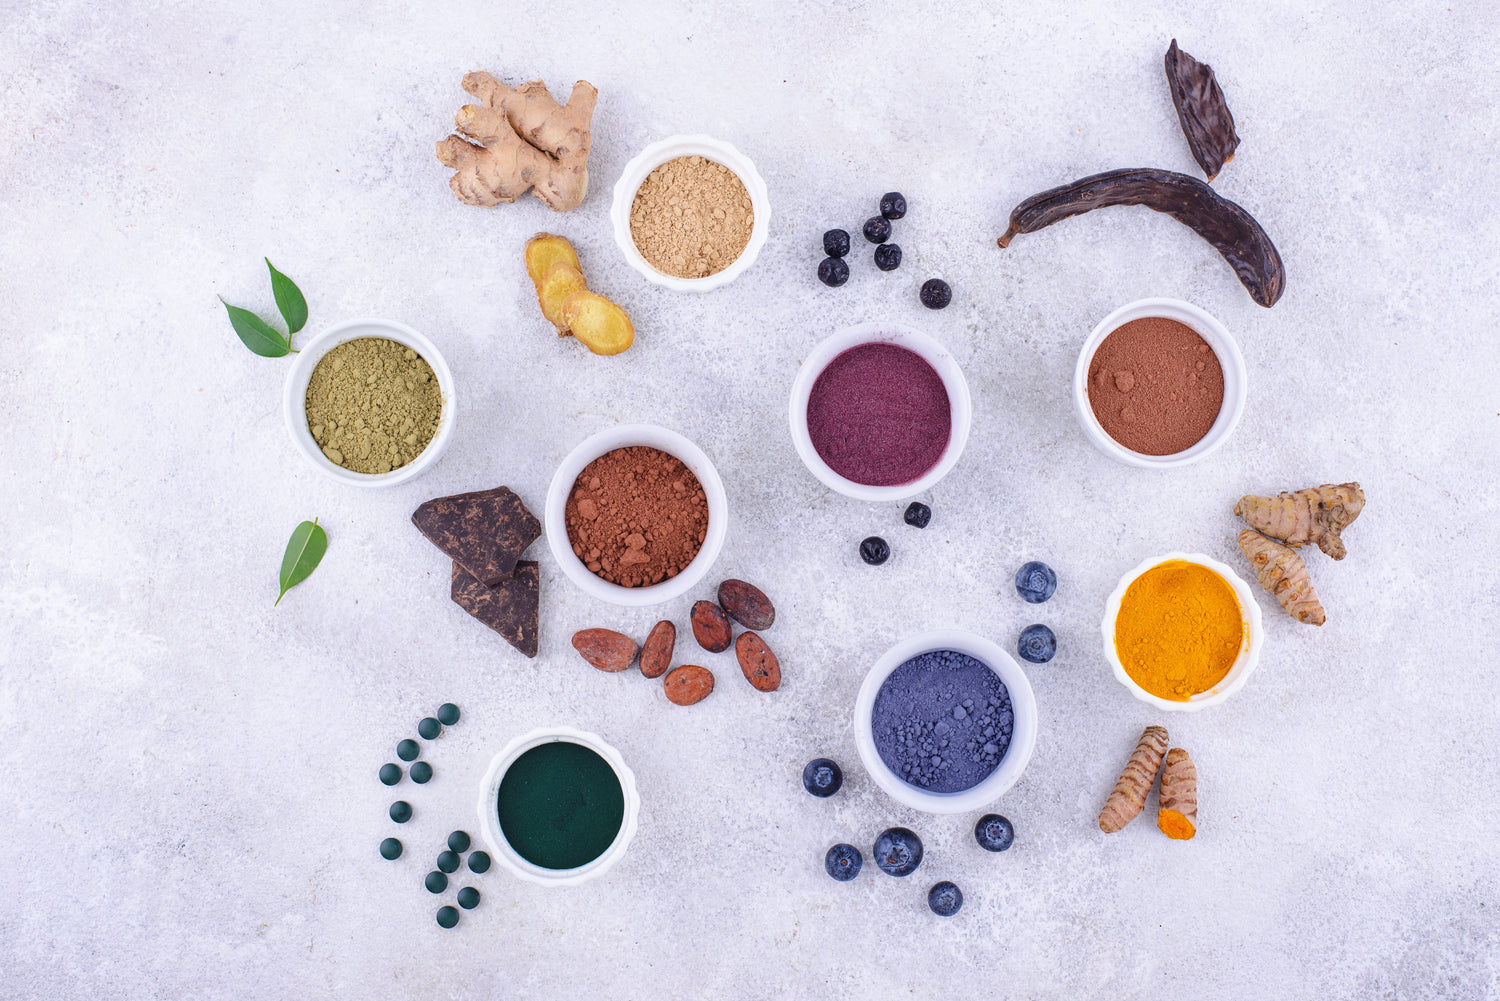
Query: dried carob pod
point(1205, 117)
point(1233, 232)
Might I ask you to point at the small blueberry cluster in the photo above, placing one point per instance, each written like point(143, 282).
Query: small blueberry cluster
point(430, 728)
point(1036, 582)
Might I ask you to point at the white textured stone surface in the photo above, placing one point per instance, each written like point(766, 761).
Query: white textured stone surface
point(191, 803)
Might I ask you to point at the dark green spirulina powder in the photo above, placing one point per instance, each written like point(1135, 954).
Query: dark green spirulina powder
point(560, 805)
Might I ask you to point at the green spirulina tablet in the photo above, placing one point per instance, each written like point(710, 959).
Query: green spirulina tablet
point(390, 773)
point(448, 714)
point(435, 882)
point(429, 728)
point(468, 898)
point(390, 849)
point(479, 862)
point(401, 811)
point(447, 916)
point(408, 750)
point(459, 841)
point(447, 861)
point(421, 772)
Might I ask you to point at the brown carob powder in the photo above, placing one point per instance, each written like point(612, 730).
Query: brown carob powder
point(636, 516)
point(691, 217)
point(1155, 386)
point(373, 404)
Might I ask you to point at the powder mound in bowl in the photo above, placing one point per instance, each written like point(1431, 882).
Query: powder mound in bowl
point(636, 516)
point(879, 415)
point(942, 721)
point(1155, 386)
point(691, 217)
point(373, 404)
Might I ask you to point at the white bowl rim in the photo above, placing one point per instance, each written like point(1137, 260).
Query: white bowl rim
point(902, 335)
point(625, 436)
point(1239, 672)
point(706, 146)
point(1023, 729)
point(294, 394)
point(1219, 340)
point(489, 818)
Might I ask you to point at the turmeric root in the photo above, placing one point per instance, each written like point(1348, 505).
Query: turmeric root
point(603, 327)
point(1315, 515)
point(520, 139)
point(1129, 796)
point(1177, 813)
point(561, 281)
point(1281, 571)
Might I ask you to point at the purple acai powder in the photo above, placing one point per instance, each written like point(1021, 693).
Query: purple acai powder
point(942, 721)
point(879, 415)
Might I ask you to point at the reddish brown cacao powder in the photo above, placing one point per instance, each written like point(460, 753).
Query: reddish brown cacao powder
point(636, 516)
point(1155, 386)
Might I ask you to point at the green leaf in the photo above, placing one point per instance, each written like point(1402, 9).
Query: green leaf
point(289, 300)
point(256, 333)
point(304, 550)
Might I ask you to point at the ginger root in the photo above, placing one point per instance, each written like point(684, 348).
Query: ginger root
point(520, 139)
point(1129, 795)
point(1315, 515)
point(1281, 571)
point(1177, 813)
point(566, 301)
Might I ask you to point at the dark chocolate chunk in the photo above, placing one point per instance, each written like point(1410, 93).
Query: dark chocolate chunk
point(485, 531)
point(511, 607)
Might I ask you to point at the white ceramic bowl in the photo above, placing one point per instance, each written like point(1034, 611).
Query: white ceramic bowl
point(942, 361)
point(624, 436)
point(653, 156)
point(1243, 665)
point(1023, 730)
point(489, 816)
point(1205, 326)
point(294, 399)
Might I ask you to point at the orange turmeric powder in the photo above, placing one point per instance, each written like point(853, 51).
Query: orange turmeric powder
point(1179, 630)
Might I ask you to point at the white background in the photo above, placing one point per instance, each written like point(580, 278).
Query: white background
point(190, 802)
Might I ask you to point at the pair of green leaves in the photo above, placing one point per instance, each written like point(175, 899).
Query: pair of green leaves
point(258, 335)
point(304, 550)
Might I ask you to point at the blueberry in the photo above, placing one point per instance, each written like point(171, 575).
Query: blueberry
point(390, 849)
point(877, 229)
point(836, 243)
point(390, 773)
point(447, 861)
point(435, 882)
point(898, 851)
point(1037, 644)
point(918, 514)
point(945, 899)
point(458, 841)
point(874, 551)
point(888, 256)
point(822, 777)
point(421, 772)
point(429, 728)
point(893, 205)
point(401, 811)
point(408, 750)
point(447, 714)
point(833, 272)
point(1036, 582)
point(994, 833)
point(447, 916)
point(479, 862)
point(843, 862)
point(935, 293)
point(468, 898)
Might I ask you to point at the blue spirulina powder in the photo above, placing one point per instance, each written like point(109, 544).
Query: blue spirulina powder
point(942, 721)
